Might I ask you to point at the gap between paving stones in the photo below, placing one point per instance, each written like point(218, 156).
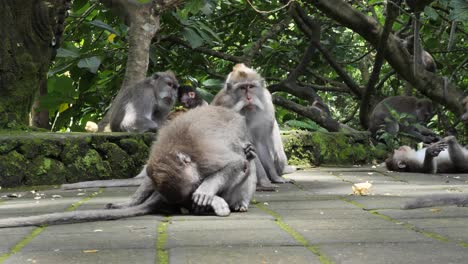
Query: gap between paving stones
point(161, 240)
point(432, 235)
point(35, 232)
point(323, 258)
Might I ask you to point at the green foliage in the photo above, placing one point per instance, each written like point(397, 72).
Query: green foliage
point(89, 67)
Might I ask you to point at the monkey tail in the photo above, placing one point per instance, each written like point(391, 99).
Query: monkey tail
point(83, 216)
point(103, 183)
point(437, 200)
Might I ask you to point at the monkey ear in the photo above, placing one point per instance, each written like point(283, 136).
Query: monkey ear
point(183, 158)
point(228, 86)
point(401, 164)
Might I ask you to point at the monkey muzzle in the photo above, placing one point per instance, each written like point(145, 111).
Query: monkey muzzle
point(167, 100)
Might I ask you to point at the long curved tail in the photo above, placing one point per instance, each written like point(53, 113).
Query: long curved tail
point(103, 183)
point(150, 205)
point(437, 200)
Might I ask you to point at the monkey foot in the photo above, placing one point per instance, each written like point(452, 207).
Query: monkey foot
point(220, 207)
point(282, 180)
point(241, 208)
point(266, 187)
point(289, 169)
point(112, 206)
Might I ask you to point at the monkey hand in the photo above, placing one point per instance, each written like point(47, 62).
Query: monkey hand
point(249, 151)
point(435, 149)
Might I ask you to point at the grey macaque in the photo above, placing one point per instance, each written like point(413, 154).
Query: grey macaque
point(203, 160)
point(419, 110)
point(458, 199)
point(464, 117)
point(189, 97)
point(135, 181)
point(445, 156)
point(244, 91)
point(144, 107)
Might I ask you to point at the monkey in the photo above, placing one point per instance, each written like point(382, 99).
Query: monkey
point(416, 6)
point(419, 110)
point(144, 106)
point(135, 181)
point(244, 91)
point(427, 61)
point(464, 117)
point(444, 156)
point(189, 165)
point(459, 199)
point(189, 98)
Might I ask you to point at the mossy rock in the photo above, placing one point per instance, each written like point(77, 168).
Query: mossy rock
point(330, 148)
point(54, 158)
point(13, 169)
point(46, 170)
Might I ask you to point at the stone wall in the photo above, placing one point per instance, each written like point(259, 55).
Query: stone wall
point(54, 158)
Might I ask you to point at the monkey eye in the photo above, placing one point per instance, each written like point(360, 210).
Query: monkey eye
point(170, 84)
point(243, 88)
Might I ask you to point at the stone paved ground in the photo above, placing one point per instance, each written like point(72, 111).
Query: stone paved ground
point(315, 220)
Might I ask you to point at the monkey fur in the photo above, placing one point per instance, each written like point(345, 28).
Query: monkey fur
point(245, 92)
point(420, 109)
point(202, 160)
point(144, 107)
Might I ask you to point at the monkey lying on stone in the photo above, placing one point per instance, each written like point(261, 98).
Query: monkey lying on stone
point(245, 92)
point(419, 109)
point(445, 156)
point(202, 160)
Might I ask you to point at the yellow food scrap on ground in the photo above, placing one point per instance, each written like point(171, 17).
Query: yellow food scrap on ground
point(362, 188)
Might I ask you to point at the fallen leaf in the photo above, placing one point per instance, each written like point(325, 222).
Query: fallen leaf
point(90, 251)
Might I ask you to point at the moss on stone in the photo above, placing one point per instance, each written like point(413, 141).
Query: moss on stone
point(46, 170)
point(120, 162)
point(89, 166)
point(13, 169)
point(135, 147)
point(324, 148)
point(7, 146)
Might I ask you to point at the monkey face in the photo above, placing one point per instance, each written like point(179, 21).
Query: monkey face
point(168, 86)
point(424, 110)
point(175, 176)
point(248, 95)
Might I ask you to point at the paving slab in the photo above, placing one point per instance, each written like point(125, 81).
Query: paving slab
point(315, 220)
point(235, 255)
point(227, 233)
point(391, 253)
point(121, 256)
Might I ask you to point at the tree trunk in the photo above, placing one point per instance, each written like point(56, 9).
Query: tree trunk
point(27, 30)
point(143, 26)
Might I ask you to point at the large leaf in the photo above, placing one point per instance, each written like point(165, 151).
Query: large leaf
point(66, 53)
point(192, 37)
point(100, 24)
point(92, 64)
point(459, 11)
